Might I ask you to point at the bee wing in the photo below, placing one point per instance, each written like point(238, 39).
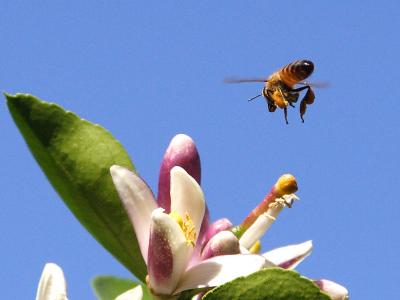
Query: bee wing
point(321, 84)
point(244, 80)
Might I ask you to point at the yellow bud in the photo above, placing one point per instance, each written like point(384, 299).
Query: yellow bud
point(286, 185)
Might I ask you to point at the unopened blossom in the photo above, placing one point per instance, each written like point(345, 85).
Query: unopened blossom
point(223, 243)
point(333, 289)
point(216, 227)
point(181, 152)
point(52, 285)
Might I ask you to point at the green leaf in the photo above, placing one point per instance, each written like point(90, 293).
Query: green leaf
point(109, 287)
point(268, 284)
point(188, 294)
point(76, 156)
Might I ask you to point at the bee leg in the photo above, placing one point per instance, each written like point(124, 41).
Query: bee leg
point(307, 100)
point(303, 108)
point(290, 103)
point(285, 112)
point(300, 89)
point(271, 104)
point(286, 103)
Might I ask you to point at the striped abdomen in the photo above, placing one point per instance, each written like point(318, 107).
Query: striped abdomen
point(296, 71)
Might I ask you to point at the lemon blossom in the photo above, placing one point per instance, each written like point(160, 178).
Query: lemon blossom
point(167, 241)
point(181, 249)
point(52, 285)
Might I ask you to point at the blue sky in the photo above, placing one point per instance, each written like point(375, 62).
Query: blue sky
point(148, 71)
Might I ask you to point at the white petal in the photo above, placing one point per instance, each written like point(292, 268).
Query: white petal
point(219, 270)
point(169, 253)
point(138, 201)
point(187, 197)
point(52, 285)
point(133, 294)
point(289, 257)
point(333, 289)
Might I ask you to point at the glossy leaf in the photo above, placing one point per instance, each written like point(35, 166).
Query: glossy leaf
point(109, 287)
point(268, 284)
point(76, 156)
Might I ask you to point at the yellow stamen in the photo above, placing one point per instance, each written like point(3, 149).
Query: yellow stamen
point(186, 225)
point(177, 217)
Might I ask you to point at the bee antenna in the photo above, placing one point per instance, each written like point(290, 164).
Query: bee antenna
point(255, 97)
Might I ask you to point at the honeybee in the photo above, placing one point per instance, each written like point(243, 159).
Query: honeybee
point(280, 88)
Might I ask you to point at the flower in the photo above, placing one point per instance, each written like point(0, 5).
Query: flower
point(180, 248)
point(167, 241)
point(52, 285)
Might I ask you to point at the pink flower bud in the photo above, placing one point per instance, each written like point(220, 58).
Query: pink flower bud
point(223, 243)
point(214, 228)
point(181, 152)
point(333, 289)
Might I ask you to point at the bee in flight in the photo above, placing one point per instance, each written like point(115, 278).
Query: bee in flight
point(280, 88)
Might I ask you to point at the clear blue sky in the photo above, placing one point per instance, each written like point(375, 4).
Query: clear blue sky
point(149, 71)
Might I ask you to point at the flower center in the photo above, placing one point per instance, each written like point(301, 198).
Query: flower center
point(187, 226)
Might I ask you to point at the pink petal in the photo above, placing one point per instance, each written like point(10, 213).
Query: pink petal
point(169, 253)
point(289, 257)
point(181, 152)
point(138, 201)
point(219, 270)
point(333, 289)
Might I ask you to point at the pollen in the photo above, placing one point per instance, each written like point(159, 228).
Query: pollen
point(187, 226)
point(286, 185)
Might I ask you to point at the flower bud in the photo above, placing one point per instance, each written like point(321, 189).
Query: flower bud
point(214, 228)
point(223, 243)
point(333, 289)
point(181, 152)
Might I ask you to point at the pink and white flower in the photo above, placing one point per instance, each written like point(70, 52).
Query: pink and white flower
point(181, 249)
point(167, 241)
